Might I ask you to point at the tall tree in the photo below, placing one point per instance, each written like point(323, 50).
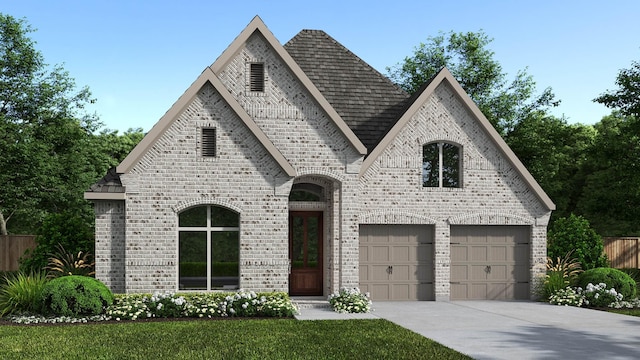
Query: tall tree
point(611, 195)
point(627, 97)
point(42, 131)
point(471, 62)
point(554, 152)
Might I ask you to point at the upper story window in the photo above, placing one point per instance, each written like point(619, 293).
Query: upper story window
point(256, 77)
point(441, 165)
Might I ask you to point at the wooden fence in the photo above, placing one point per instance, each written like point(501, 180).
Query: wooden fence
point(623, 252)
point(12, 247)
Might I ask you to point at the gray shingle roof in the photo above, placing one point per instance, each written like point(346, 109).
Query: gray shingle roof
point(365, 99)
point(110, 183)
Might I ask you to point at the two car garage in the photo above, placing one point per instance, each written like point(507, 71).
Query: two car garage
point(488, 262)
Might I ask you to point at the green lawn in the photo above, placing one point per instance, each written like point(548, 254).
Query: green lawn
point(221, 339)
point(631, 312)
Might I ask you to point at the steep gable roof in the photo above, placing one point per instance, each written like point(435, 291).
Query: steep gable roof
point(184, 101)
point(365, 99)
point(258, 25)
point(417, 101)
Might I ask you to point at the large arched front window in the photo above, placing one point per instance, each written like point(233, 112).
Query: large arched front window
point(441, 165)
point(209, 248)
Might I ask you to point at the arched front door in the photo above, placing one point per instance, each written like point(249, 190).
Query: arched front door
point(305, 253)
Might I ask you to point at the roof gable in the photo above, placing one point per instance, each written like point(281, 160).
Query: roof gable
point(165, 122)
point(365, 99)
point(417, 102)
point(257, 25)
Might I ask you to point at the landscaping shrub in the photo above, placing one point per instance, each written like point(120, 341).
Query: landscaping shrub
point(567, 296)
point(599, 295)
point(75, 296)
point(613, 278)
point(635, 275)
point(575, 234)
point(66, 229)
point(4, 275)
point(561, 273)
point(350, 300)
point(65, 263)
point(21, 293)
point(199, 305)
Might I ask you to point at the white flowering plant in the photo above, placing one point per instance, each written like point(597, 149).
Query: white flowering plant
point(568, 297)
point(350, 300)
point(626, 304)
point(599, 296)
point(201, 305)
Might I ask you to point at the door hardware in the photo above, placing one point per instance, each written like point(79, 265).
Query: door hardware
point(389, 270)
point(487, 269)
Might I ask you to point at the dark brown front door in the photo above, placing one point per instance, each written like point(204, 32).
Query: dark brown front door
point(305, 252)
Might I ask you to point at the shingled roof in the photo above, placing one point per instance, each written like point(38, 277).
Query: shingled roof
point(110, 183)
point(365, 99)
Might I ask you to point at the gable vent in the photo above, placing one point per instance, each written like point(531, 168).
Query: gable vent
point(256, 80)
point(209, 142)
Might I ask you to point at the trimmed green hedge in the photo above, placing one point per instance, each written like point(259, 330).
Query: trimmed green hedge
point(75, 295)
point(614, 278)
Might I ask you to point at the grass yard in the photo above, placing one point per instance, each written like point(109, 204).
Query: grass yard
point(631, 312)
point(221, 339)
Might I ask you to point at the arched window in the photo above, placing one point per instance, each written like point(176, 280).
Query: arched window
point(208, 248)
point(441, 165)
point(306, 192)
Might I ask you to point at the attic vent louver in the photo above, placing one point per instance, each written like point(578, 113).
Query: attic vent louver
point(256, 80)
point(209, 142)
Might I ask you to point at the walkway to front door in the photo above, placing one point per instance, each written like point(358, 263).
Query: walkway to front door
point(305, 253)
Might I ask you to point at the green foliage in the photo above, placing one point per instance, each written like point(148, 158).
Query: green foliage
point(611, 194)
point(4, 275)
point(246, 339)
point(75, 296)
point(567, 296)
point(350, 300)
point(562, 272)
point(554, 152)
point(472, 63)
point(574, 234)
point(627, 97)
point(613, 278)
point(635, 275)
point(201, 305)
point(64, 263)
point(21, 293)
point(44, 133)
point(68, 230)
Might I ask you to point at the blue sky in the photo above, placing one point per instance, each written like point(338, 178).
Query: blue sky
point(138, 57)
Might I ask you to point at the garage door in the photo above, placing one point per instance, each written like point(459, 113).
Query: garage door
point(396, 262)
point(490, 262)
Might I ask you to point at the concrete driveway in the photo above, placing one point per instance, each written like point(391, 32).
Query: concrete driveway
point(518, 330)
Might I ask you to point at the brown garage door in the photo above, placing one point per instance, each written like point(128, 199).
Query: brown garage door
point(396, 262)
point(490, 262)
